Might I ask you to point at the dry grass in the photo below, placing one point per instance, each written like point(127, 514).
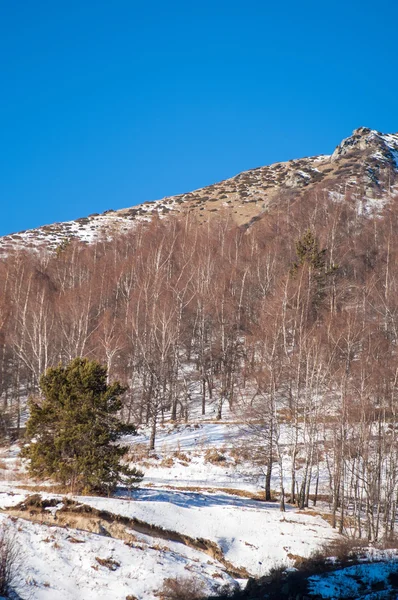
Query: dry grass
point(181, 588)
point(348, 522)
point(182, 456)
point(52, 488)
point(167, 462)
point(344, 549)
point(109, 563)
point(213, 456)
point(17, 475)
point(159, 547)
point(11, 560)
point(296, 558)
point(137, 453)
point(316, 513)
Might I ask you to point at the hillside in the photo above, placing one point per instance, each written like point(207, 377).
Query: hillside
point(259, 365)
point(363, 167)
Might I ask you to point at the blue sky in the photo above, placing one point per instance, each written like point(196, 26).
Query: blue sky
point(108, 104)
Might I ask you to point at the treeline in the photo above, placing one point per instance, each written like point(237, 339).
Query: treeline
point(292, 322)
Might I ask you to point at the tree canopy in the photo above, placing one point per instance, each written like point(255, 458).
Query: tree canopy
point(74, 426)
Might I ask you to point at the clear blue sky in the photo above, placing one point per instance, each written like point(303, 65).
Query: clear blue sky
point(107, 104)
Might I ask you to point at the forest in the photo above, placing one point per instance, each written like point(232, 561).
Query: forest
point(291, 323)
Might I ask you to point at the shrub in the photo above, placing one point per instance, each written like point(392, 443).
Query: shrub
point(214, 456)
point(343, 549)
point(182, 456)
point(181, 588)
point(10, 561)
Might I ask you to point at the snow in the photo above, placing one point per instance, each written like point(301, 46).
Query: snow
point(54, 509)
point(62, 564)
point(320, 158)
point(195, 440)
point(304, 174)
point(87, 230)
point(391, 139)
point(371, 206)
point(10, 498)
point(379, 156)
point(351, 581)
point(336, 196)
point(252, 534)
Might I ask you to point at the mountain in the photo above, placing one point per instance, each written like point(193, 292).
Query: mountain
point(259, 361)
point(362, 168)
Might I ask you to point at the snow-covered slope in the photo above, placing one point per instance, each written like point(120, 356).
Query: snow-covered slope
point(248, 536)
point(253, 535)
point(64, 564)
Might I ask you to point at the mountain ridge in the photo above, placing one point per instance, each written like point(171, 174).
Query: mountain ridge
point(363, 167)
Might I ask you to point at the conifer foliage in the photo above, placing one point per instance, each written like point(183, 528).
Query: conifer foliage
point(73, 428)
point(313, 260)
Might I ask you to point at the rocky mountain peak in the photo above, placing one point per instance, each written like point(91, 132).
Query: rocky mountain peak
point(368, 141)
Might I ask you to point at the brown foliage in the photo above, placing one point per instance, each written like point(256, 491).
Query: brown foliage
point(301, 343)
point(181, 588)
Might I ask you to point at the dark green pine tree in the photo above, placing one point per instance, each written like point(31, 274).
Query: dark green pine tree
point(307, 250)
point(310, 256)
point(73, 427)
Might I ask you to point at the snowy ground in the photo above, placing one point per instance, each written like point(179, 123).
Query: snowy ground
point(193, 441)
point(63, 564)
point(373, 581)
point(252, 535)
point(181, 457)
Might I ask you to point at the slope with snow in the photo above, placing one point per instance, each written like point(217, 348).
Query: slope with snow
point(364, 166)
point(67, 564)
point(251, 536)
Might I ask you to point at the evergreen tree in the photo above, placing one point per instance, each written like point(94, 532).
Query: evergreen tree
point(308, 252)
point(311, 257)
point(73, 427)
